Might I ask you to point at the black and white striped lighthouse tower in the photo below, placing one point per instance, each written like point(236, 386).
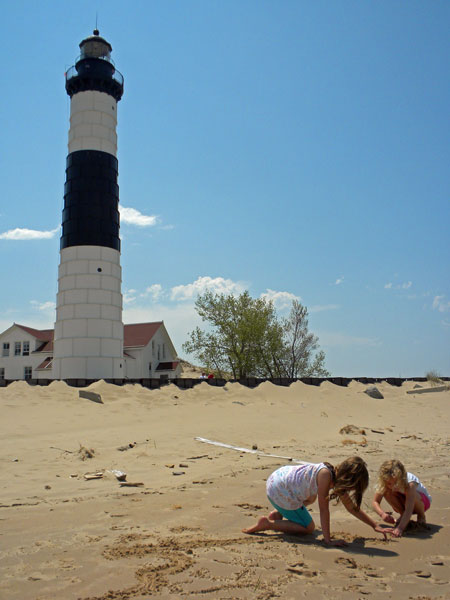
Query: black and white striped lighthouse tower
point(88, 340)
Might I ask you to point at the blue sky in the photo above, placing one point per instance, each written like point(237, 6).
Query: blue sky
point(294, 149)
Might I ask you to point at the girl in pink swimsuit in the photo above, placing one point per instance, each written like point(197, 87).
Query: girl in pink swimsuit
point(404, 492)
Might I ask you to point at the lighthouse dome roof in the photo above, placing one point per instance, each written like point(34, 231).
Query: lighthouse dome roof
point(95, 46)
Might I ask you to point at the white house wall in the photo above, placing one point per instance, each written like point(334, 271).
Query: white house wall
point(138, 367)
point(134, 368)
point(15, 365)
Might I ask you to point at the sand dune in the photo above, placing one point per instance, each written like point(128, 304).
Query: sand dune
point(178, 535)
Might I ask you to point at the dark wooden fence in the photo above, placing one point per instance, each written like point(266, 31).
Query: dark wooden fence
point(252, 382)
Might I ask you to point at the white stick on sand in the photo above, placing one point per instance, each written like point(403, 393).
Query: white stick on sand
point(250, 451)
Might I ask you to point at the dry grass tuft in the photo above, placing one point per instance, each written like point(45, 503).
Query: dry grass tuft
point(352, 430)
point(433, 377)
point(349, 442)
point(85, 453)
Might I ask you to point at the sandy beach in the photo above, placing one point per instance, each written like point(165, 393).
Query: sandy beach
point(178, 535)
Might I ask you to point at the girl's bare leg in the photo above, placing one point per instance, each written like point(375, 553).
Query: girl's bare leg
point(396, 500)
point(284, 526)
point(419, 510)
point(275, 515)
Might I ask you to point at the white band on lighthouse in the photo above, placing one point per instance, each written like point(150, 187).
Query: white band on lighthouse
point(93, 122)
point(89, 328)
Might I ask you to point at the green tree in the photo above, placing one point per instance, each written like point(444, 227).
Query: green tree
point(247, 339)
point(301, 344)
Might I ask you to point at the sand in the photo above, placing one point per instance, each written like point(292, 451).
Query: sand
point(179, 534)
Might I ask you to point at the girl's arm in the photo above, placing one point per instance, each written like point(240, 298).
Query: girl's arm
point(360, 514)
point(323, 490)
point(386, 516)
point(409, 507)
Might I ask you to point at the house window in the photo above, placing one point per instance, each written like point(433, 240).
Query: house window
point(159, 352)
point(26, 348)
point(17, 348)
point(27, 372)
point(149, 366)
point(2, 374)
point(153, 347)
point(164, 351)
point(5, 349)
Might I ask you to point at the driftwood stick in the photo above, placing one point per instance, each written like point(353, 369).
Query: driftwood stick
point(63, 450)
point(250, 451)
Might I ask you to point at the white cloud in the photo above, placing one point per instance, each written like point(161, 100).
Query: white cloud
point(280, 299)
point(28, 234)
point(399, 286)
point(129, 296)
point(38, 319)
point(43, 305)
point(321, 307)
point(155, 291)
point(131, 216)
point(218, 285)
point(440, 304)
point(179, 319)
point(336, 339)
point(339, 280)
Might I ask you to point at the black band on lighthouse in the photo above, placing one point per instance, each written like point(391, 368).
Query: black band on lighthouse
point(91, 200)
point(94, 74)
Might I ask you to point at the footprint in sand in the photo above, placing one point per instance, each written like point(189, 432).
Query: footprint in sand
point(303, 572)
point(350, 563)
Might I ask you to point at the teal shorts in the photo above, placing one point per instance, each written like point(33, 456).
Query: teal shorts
point(300, 515)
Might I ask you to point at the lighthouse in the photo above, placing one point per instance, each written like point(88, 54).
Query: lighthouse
point(88, 339)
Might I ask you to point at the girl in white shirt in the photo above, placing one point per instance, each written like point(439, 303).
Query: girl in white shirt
point(404, 492)
point(290, 489)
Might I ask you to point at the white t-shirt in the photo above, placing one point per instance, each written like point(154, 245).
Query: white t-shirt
point(289, 486)
point(419, 486)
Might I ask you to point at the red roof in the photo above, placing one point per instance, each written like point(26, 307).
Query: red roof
point(139, 334)
point(45, 335)
point(167, 366)
point(46, 363)
point(46, 347)
point(135, 335)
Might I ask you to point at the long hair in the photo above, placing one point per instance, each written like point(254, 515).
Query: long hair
point(392, 469)
point(352, 478)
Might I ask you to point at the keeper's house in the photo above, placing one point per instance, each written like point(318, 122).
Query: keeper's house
point(27, 353)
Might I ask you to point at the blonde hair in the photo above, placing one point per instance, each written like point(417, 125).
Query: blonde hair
point(392, 469)
point(351, 478)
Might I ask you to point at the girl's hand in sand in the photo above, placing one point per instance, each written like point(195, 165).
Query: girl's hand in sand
point(388, 518)
point(335, 543)
point(383, 530)
point(396, 532)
